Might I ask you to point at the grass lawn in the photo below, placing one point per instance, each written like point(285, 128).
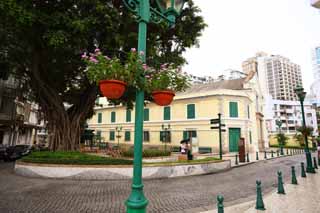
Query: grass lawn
point(76, 158)
point(185, 162)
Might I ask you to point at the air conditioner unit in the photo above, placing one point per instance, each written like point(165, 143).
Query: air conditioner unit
point(315, 3)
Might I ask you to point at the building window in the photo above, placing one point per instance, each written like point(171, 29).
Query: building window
point(191, 111)
point(113, 117)
point(98, 135)
point(99, 118)
point(166, 113)
point(165, 136)
point(187, 134)
point(250, 137)
point(127, 136)
point(111, 135)
point(146, 114)
point(248, 111)
point(233, 109)
point(146, 136)
point(128, 115)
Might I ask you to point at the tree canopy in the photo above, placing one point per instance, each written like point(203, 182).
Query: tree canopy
point(43, 41)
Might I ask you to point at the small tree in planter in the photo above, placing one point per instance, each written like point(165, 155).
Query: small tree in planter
point(282, 139)
point(164, 82)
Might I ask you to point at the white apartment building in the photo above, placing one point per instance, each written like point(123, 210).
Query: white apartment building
point(277, 75)
point(315, 87)
point(289, 112)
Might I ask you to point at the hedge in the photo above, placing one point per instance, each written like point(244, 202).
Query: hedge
point(148, 153)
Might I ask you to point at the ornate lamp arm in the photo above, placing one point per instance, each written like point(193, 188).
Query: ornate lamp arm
point(156, 16)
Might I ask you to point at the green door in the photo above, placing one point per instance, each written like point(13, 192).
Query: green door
point(234, 136)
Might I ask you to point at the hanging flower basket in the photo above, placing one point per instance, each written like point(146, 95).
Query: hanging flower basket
point(163, 97)
point(112, 89)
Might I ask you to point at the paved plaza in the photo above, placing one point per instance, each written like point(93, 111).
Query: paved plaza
point(187, 194)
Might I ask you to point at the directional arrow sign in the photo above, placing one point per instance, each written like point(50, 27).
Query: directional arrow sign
point(223, 130)
point(214, 121)
point(214, 127)
point(223, 125)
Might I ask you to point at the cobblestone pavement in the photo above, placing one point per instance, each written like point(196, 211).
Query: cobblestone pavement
point(188, 194)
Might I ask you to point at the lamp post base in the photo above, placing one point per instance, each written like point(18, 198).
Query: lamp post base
point(136, 202)
point(310, 168)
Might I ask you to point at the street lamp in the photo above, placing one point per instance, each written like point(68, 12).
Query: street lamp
point(118, 129)
point(167, 10)
point(279, 124)
point(301, 95)
point(165, 135)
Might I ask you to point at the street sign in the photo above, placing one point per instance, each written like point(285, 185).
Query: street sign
point(214, 127)
point(214, 121)
point(223, 125)
point(223, 130)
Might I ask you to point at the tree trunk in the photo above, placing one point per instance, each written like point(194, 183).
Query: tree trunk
point(63, 122)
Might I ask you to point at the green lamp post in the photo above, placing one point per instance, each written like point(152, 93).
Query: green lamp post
point(118, 129)
point(279, 124)
point(165, 135)
point(166, 10)
point(301, 95)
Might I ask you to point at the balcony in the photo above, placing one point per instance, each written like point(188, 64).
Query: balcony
point(315, 3)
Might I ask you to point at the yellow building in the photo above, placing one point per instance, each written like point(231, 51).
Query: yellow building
point(189, 114)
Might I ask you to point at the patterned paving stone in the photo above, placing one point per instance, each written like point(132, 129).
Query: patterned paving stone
point(187, 194)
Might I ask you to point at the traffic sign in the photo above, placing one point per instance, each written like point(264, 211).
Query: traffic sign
point(223, 130)
point(222, 124)
point(214, 121)
point(214, 127)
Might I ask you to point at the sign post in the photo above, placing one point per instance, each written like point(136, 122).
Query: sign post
point(218, 121)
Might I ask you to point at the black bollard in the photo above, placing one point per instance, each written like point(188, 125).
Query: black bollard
point(280, 184)
point(259, 201)
point(303, 172)
point(220, 204)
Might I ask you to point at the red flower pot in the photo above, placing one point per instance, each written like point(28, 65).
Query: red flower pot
point(163, 97)
point(112, 89)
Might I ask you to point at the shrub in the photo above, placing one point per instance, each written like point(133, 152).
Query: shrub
point(148, 153)
point(76, 158)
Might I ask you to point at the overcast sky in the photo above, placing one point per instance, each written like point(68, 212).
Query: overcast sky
point(237, 29)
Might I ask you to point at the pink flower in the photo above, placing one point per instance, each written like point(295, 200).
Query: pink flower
point(145, 67)
point(92, 59)
point(141, 53)
point(133, 50)
point(163, 66)
point(97, 50)
point(84, 55)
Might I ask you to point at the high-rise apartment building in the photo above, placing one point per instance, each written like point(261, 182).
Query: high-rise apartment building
point(315, 87)
point(278, 76)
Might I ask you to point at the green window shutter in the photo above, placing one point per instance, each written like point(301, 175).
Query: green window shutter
point(99, 117)
point(250, 136)
point(146, 136)
point(185, 135)
point(233, 109)
point(194, 134)
point(248, 109)
point(127, 136)
point(146, 114)
point(111, 136)
point(98, 135)
point(162, 135)
point(128, 115)
point(113, 117)
point(166, 113)
point(191, 111)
